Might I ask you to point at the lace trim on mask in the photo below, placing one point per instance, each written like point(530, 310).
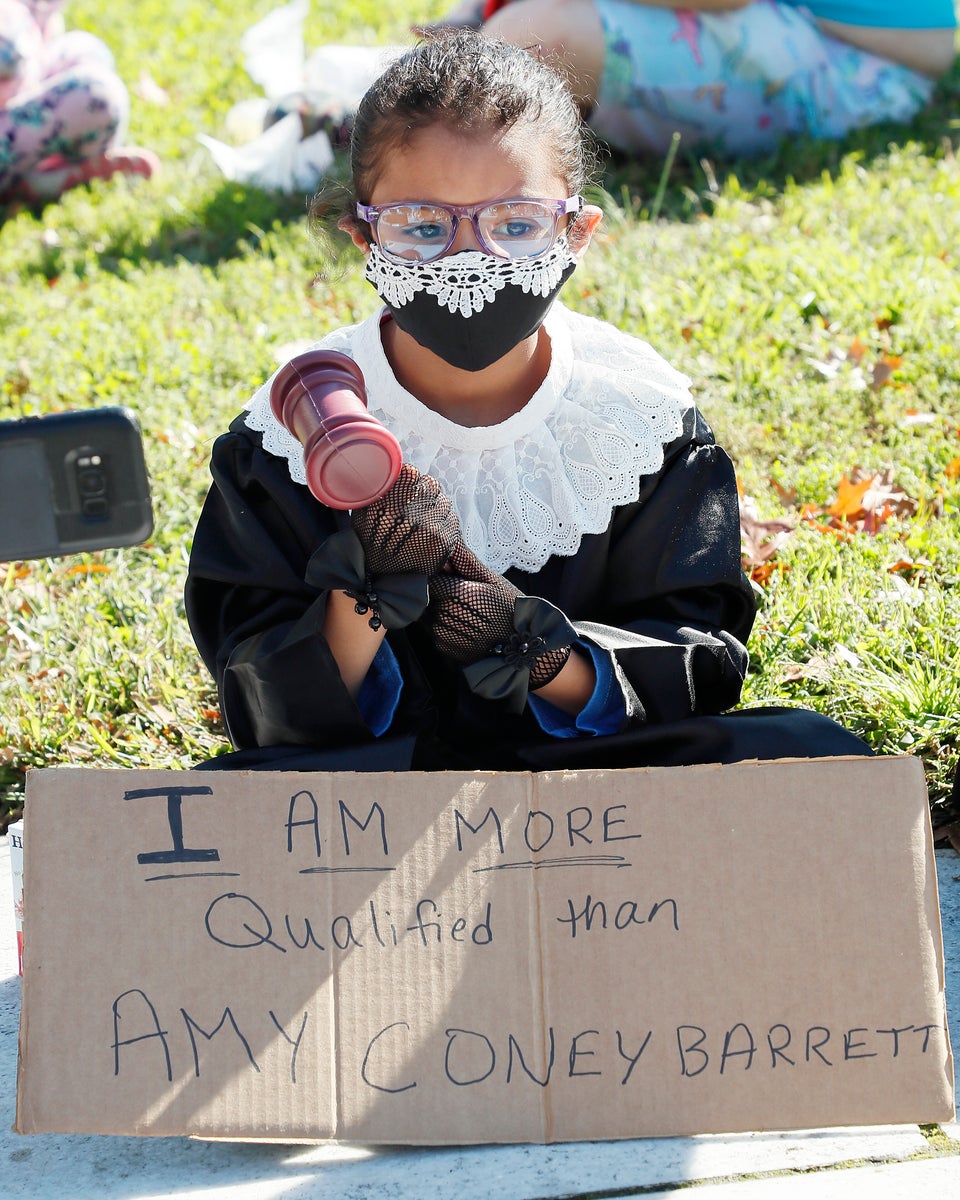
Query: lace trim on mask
point(536, 484)
point(465, 282)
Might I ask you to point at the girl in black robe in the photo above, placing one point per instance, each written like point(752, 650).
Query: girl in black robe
point(554, 580)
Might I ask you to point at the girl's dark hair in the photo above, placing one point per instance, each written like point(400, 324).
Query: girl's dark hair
point(471, 83)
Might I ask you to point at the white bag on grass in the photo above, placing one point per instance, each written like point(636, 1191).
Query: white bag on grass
point(280, 157)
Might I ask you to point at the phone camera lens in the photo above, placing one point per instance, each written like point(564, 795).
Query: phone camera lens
point(92, 483)
point(91, 477)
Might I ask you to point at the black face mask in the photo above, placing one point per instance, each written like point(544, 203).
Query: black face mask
point(471, 309)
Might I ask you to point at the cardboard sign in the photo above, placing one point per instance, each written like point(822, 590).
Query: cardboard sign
point(453, 958)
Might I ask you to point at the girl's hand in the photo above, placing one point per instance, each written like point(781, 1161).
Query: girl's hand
point(484, 617)
point(470, 618)
point(411, 529)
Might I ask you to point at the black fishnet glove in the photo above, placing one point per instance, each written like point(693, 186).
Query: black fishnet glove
point(509, 642)
point(411, 529)
point(395, 543)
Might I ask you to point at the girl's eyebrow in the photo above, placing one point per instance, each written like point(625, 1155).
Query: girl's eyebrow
point(519, 193)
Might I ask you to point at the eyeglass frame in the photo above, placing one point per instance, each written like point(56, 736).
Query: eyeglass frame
point(371, 213)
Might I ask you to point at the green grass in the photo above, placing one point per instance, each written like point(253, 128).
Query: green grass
point(757, 279)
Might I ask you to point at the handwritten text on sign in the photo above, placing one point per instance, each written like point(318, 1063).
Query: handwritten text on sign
point(579, 836)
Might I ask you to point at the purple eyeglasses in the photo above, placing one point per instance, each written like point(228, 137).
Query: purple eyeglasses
point(424, 231)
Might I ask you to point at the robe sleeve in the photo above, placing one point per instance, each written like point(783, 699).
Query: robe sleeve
point(255, 620)
point(603, 713)
point(662, 592)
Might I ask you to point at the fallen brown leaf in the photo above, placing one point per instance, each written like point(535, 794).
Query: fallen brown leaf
point(761, 539)
point(848, 505)
point(884, 369)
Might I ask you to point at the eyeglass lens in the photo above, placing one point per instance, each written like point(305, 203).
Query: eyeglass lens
point(422, 232)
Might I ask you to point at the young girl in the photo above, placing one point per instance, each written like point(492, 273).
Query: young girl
point(554, 580)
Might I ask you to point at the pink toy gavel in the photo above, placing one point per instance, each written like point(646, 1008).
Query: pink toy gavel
point(350, 458)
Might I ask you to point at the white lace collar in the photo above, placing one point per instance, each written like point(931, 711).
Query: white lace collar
point(535, 484)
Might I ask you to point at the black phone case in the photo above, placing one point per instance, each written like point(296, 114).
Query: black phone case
point(71, 482)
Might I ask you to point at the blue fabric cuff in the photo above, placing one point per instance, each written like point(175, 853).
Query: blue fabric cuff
point(604, 712)
point(380, 691)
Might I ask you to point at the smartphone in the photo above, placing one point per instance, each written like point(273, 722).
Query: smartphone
point(72, 481)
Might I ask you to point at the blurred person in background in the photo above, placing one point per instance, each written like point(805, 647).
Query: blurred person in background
point(731, 76)
point(63, 108)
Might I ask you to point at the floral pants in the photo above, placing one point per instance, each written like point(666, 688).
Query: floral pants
point(67, 108)
point(738, 81)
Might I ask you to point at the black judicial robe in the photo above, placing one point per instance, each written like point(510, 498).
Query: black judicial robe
point(661, 592)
